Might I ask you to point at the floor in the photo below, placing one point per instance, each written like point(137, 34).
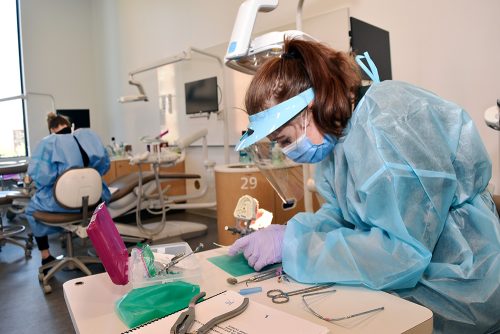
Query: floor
point(24, 308)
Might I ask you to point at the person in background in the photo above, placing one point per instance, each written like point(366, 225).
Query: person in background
point(404, 176)
point(55, 154)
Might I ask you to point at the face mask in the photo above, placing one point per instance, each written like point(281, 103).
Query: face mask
point(303, 151)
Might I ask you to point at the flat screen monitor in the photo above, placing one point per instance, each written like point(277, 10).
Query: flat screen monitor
point(79, 117)
point(201, 96)
point(367, 37)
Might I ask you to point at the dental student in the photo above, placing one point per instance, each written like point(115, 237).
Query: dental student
point(55, 154)
point(404, 175)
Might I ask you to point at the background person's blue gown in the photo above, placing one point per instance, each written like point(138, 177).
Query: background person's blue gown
point(406, 208)
point(55, 154)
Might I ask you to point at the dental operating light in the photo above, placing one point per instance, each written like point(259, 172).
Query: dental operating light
point(246, 56)
point(133, 98)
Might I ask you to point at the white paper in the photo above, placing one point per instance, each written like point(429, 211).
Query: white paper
point(256, 319)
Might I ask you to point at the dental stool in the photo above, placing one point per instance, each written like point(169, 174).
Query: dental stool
point(11, 233)
point(75, 189)
point(9, 196)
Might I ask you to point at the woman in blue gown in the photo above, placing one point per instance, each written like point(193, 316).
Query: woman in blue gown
point(56, 153)
point(403, 173)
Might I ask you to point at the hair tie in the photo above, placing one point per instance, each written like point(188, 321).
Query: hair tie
point(290, 55)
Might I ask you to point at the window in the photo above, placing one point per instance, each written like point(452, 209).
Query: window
point(12, 125)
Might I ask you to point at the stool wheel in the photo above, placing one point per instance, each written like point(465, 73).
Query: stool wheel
point(47, 289)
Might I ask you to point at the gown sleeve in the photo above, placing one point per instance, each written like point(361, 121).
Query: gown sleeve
point(42, 169)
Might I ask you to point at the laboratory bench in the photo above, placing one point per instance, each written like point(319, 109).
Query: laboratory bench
point(91, 303)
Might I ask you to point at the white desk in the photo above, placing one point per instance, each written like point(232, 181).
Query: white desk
point(91, 302)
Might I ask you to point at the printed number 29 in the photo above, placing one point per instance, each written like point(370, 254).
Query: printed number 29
point(248, 182)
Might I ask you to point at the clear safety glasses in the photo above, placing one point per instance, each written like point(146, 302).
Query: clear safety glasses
point(307, 304)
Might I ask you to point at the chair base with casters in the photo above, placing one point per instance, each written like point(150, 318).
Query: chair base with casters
point(76, 189)
point(11, 233)
point(67, 221)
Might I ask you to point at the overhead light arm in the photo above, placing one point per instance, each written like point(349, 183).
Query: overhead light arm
point(185, 55)
point(142, 94)
point(27, 94)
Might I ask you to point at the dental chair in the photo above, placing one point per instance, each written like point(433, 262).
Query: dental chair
point(143, 191)
point(13, 199)
point(75, 189)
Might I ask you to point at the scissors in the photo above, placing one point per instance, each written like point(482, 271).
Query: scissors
point(186, 318)
point(278, 296)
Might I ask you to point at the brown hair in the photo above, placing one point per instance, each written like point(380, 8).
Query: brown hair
point(332, 74)
point(53, 121)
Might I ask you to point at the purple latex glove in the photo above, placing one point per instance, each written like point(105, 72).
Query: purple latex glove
point(262, 247)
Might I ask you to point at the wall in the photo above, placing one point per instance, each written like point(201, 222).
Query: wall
point(446, 46)
point(57, 49)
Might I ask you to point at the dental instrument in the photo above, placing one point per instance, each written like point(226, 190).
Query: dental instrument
point(187, 318)
point(258, 277)
point(279, 296)
point(178, 258)
point(330, 319)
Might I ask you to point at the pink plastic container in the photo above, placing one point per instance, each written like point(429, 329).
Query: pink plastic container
point(109, 245)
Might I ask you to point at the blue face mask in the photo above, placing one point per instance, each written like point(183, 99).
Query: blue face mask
point(303, 151)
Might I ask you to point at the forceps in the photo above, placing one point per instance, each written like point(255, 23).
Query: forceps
point(278, 296)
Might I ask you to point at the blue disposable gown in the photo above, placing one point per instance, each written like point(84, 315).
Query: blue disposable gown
point(406, 209)
point(55, 154)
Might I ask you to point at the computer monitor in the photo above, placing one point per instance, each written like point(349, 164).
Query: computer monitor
point(202, 96)
point(367, 37)
point(79, 117)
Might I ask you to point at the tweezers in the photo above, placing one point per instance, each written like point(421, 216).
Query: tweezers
point(186, 319)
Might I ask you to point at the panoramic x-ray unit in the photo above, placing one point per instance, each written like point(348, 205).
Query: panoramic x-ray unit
point(246, 55)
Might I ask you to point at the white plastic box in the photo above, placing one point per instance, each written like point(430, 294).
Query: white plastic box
point(188, 269)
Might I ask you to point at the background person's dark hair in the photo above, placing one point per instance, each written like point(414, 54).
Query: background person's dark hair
point(334, 76)
point(54, 121)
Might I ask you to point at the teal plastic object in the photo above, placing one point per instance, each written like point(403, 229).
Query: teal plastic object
point(142, 305)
